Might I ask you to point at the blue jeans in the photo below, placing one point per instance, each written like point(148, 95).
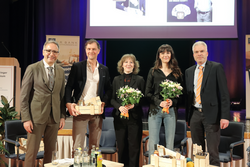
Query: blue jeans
point(154, 124)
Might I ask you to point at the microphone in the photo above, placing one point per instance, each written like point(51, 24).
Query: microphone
point(6, 49)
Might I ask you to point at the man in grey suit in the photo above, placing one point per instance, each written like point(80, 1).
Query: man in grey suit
point(208, 102)
point(42, 103)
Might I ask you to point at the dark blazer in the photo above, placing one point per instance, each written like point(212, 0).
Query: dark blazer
point(214, 93)
point(77, 79)
point(37, 100)
point(136, 82)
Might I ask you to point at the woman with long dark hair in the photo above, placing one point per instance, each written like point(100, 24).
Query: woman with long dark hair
point(166, 67)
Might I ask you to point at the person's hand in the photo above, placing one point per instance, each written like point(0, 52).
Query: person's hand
point(130, 106)
point(28, 126)
point(102, 107)
point(166, 104)
point(187, 125)
point(123, 109)
point(72, 109)
point(224, 123)
point(170, 102)
point(62, 123)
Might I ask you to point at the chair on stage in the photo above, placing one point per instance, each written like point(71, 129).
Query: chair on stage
point(232, 143)
point(180, 139)
point(108, 140)
point(14, 130)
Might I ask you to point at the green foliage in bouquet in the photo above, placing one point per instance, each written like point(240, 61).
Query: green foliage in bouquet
point(170, 89)
point(129, 95)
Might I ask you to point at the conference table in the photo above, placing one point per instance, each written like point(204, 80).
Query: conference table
point(67, 162)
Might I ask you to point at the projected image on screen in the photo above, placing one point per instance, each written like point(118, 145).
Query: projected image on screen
point(132, 6)
point(181, 11)
point(161, 19)
point(204, 10)
point(190, 11)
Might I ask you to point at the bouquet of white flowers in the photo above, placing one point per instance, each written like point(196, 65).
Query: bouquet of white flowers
point(170, 89)
point(128, 96)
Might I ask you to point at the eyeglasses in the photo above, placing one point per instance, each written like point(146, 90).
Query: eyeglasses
point(53, 51)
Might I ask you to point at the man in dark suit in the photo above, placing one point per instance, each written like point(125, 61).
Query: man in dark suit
point(42, 103)
point(87, 79)
point(207, 110)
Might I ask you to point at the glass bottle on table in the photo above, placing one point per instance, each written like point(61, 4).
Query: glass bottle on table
point(85, 159)
point(77, 158)
point(96, 154)
point(92, 157)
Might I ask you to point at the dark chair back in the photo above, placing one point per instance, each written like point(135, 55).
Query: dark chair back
point(233, 135)
point(180, 133)
point(13, 130)
point(108, 139)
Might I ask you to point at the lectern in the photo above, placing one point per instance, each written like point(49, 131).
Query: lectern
point(10, 72)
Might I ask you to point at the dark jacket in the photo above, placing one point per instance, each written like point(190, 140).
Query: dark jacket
point(214, 93)
point(136, 82)
point(77, 79)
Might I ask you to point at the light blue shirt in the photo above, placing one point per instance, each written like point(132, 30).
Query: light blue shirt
point(196, 73)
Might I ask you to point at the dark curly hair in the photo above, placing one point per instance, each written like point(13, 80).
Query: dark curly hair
point(173, 63)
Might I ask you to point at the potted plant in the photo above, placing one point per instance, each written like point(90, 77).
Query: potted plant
point(2, 150)
point(6, 113)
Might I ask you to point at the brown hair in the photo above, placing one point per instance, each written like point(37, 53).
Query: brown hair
point(173, 63)
point(93, 41)
point(122, 60)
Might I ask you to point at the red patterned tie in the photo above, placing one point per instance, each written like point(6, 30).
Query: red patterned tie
point(198, 90)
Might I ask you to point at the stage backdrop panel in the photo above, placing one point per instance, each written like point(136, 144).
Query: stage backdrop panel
point(7, 74)
point(247, 76)
point(69, 51)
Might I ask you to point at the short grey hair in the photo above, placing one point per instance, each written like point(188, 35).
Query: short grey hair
point(199, 43)
point(51, 41)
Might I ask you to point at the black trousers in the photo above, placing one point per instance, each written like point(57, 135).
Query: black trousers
point(199, 127)
point(128, 137)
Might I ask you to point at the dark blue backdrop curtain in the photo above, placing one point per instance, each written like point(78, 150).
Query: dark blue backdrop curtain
point(231, 53)
point(227, 53)
point(65, 18)
point(62, 17)
point(32, 20)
